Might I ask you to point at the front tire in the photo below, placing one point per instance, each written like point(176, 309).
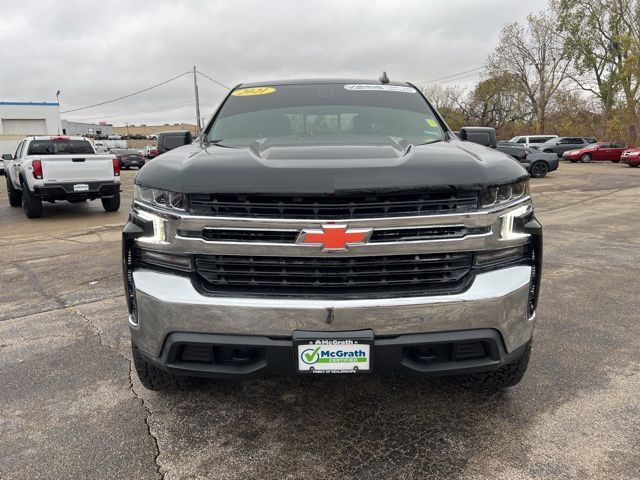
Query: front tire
point(506, 376)
point(111, 204)
point(32, 204)
point(153, 378)
point(539, 170)
point(586, 158)
point(15, 196)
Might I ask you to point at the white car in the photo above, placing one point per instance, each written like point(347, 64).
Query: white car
point(532, 141)
point(50, 168)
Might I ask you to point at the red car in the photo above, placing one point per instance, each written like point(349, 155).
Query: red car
point(601, 151)
point(631, 157)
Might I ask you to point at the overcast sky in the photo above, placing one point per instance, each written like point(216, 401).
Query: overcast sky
point(96, 51)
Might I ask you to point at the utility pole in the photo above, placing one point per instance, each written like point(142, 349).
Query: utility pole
point(195, 88)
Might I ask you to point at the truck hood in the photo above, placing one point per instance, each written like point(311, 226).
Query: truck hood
point(281, 167)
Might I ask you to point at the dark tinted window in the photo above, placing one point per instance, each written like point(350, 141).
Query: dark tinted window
point(19, 150)
point(333, 111)
point(539, 139)
point(59, 147)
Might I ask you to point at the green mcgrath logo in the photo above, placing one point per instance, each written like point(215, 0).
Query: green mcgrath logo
point(311, 356)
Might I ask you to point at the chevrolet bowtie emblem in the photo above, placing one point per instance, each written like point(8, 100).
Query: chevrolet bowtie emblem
point(334, 238)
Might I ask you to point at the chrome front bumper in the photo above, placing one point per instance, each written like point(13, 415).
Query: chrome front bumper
point(169, 303)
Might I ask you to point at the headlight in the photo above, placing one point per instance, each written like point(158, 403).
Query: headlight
point(159, 198)
point(504, 194)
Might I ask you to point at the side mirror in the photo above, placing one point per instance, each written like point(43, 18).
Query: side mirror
point(170, 140)
point(7, 156)
point(483, 135)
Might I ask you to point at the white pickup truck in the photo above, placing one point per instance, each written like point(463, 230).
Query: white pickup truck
point(50, 168)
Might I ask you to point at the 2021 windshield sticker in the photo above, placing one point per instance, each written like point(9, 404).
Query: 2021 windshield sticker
point(382, 88)
point(246, 92)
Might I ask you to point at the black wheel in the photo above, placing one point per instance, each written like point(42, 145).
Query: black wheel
point(585, 158)
point(111, 204)
point(15, 196)
point(615, 161)
point(154, 378)
point(32, 205)
point(539, 169)
point(633, 165)
point(573, 161)
point(506, 376)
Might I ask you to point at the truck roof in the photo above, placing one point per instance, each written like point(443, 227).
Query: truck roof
point(51, 137)
point(310, 81)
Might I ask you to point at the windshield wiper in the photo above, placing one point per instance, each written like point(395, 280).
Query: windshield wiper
point(429, 142)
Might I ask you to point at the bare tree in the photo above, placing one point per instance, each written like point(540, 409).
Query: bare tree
point(496, 101)
point(533, 56)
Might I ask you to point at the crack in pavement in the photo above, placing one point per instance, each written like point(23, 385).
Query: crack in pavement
point(144, 405)
point(35, 282)
point(595, 197)
point(62, 307)
point(79, 233)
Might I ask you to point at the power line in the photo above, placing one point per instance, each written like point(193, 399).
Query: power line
point(451, 75)
point(129, 95)
point(162, 108)
point(213, 80)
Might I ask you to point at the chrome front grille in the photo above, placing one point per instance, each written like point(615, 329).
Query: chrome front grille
point(335, 207)
point(401, 234)
point(403, 256)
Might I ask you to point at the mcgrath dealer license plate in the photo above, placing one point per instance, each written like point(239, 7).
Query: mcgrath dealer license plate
point(333, 352)
point(81, 187)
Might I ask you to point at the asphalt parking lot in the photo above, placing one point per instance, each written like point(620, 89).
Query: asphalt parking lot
point(70, 405)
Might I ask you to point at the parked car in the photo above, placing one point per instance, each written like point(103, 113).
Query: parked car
point(129, 158)
point(601, 151)
point(564, 144)
point(537, 163)
point(631, 156)
point(51, 168)
point(331, 248)
point(532, 141)
point(150, 151)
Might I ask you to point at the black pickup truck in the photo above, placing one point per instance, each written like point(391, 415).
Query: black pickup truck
point(332, 226)
point(537, 163)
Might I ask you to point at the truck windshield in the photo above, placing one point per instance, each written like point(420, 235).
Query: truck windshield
point(308, 113)
point(59, 147)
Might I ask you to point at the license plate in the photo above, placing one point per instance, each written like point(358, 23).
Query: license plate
point(333, 353)
point(81, 187)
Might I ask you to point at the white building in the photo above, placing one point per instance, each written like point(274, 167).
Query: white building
point(30, 118)
point(91, 129)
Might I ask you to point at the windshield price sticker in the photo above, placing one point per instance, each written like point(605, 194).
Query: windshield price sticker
point(381, 88)
point(246, 92)
point(334, 356)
